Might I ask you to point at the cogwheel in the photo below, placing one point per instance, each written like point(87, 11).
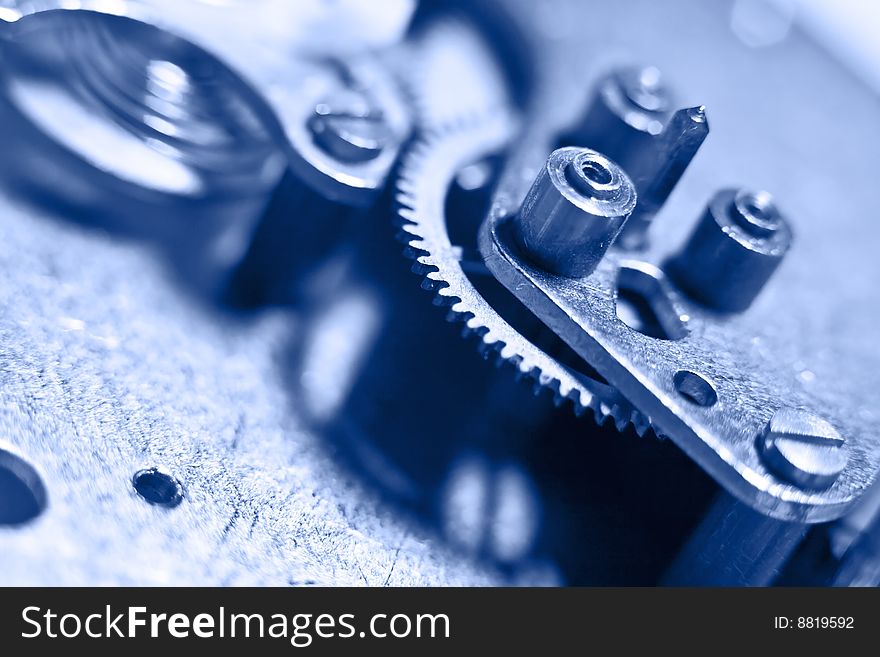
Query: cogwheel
point(449, 269)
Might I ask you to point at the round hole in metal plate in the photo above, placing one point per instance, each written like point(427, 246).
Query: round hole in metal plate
point(695, 388)
point(158, 487)
point(22, 493)
point(643, 303)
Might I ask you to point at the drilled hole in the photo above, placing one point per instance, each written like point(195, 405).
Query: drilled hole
point(759, 212)
point(756, 213)
point(22, 494)
point(596, 172)
point(158, 487)
point(695, 388)
point(643, 304)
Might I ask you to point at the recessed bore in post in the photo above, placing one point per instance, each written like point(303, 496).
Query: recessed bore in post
point(574, 211)
point(755, 213)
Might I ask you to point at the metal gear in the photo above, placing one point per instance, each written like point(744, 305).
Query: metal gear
point(428, 170)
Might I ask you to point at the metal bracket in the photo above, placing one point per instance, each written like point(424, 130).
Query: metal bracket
point(712, 391)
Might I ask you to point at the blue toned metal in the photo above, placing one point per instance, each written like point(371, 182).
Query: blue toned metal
point(337, 430)
point(632, 119)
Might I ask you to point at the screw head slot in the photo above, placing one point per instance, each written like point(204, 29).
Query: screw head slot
point(803, 448)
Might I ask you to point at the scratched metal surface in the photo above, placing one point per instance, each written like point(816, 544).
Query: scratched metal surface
point(108, 367)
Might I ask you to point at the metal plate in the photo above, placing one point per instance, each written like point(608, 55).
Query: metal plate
point(810, 339)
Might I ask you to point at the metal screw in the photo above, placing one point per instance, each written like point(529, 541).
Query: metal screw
point(349, 128)
point(644, 87)
point(803, 448)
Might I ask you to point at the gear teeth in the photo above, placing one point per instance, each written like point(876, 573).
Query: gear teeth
point(444, 298)
point(487, 351)
point(420, 268)
point(602, 412)
point(621, 417)
point(433, 161)
point(641, 424)
point(456, 316)
point(473, 328)
point(413, 247)
point(577, 402)
point(406, 202)
point(515, 362)
point(431, 284)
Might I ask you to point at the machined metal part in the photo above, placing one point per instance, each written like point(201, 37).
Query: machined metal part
point(350, 134)
point(285, 80)
point(716, 409)
point(734, 545)
point(737, 244)
point(258, 39)
point(346, 127)
point(190, 162)
point(803, 448)
point(631, 120)
point(321, 136)
point(574, 211)
point(630, 105)
point(261, 502)
point(346, 130)
point(428, 171)
point(658, 171)
point(199, 154)
point(860, 565)
point(111, 377)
